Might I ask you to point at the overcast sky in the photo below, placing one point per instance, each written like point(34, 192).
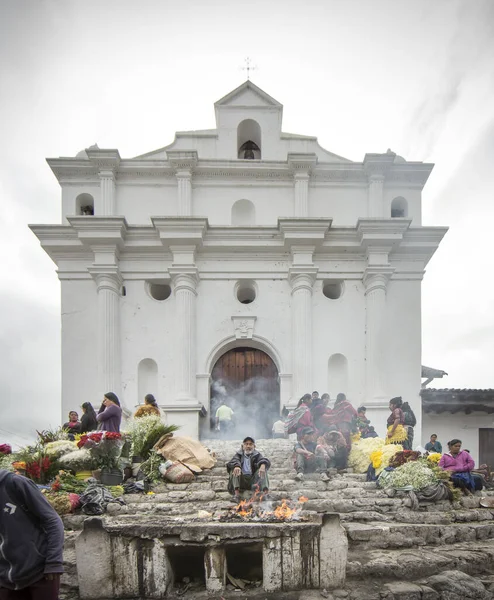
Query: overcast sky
point(414, 76)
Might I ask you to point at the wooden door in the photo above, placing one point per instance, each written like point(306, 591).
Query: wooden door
point(486, 447)
point(249, 379)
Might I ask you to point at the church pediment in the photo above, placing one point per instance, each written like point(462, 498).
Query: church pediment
point(248, 94)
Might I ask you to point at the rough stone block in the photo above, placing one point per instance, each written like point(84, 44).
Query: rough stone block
point(404, 590)
point(272, 565)
point(94, 561)
point(215, 568)
point(333, 552)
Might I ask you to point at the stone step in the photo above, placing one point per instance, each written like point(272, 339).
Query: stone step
point(412, 564)
point(399, 535)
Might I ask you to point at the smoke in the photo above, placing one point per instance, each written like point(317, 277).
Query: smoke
point(255, 403)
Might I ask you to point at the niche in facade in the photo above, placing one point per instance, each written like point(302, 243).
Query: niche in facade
point(249, 140)
point(245, 291)
point(147, 378)
point(243, 213)
point(159, 290)
point(399, 208)
point(332, 289)
point(337, 374)
point(84, 205)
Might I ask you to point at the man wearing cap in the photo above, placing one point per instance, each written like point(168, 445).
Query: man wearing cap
point(306, 460)
point(247, 469)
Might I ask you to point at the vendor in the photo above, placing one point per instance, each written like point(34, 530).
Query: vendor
point(73, 425)
point(460, 464)
point(149, 408)
point(247, 470)
point(396, 420)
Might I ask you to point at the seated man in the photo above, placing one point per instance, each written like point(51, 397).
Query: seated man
point(247, 469)
point(306, 460)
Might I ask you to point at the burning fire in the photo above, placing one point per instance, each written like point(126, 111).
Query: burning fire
point(259, 509)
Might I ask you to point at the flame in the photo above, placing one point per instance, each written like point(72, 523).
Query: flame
point(303, 499)
point(284, 512)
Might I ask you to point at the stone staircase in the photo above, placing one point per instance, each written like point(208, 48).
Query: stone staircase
point(388, 542)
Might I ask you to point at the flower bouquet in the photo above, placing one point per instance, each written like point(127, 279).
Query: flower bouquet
point(5, 449)
point(434, 458)
point(78, 460)
point(105, 448)
point(400, 458)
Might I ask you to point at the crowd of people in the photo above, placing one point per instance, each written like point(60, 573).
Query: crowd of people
point(109, 416)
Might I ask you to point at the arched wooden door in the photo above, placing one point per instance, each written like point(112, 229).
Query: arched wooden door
point(249, 379)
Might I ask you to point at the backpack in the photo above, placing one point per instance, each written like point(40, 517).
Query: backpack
point(409, 418)
point(291, 423)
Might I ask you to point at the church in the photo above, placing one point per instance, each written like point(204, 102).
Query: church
point(240, 262)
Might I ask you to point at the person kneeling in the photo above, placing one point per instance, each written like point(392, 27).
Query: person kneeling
point(306, 459)
point(247, 470)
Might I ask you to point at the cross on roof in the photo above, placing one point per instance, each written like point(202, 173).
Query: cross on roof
point(248, 67)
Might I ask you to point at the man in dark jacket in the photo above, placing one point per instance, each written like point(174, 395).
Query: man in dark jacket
point(31, 542)
point(247, 470)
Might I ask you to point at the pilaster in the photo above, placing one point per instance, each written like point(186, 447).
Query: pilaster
point(375, 280)
point(108, 285)
point(301, 166)
point(107, 163)
point(184, 162)
point(185, 278)
point(377, 166)
point(301, 276)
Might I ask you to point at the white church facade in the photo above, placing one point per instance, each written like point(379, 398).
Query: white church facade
point(244, 257)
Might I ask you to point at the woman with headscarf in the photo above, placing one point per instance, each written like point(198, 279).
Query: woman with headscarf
point(320, 412)
point(344, 418)
point(397, 433)
point(88, 420)
point(460, 464)
point(110, 417)
point(301, 417)
point(73, 425)
point(150, 407)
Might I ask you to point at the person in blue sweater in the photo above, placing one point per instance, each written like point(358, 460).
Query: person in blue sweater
point(31, 542)
point(434, 445)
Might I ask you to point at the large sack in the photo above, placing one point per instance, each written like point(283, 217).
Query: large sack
point(190, 452)
point(179, 473)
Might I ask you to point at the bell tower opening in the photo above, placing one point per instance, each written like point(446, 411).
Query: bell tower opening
point(246, 379)
point(249, 140)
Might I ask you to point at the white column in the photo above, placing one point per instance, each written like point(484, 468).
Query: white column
point(301, 332)
point(107, 186)
point(184, 180)
point(109, 350)
point(376, 197)
point(375, 305)
point(185, 284)
point(301, 182)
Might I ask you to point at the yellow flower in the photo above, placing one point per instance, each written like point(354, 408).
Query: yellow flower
point(355, 437)
point(376, 458)
point(435, 457)
point(150, 493)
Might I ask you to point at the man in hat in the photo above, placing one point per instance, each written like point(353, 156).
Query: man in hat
point(247, 469)
point(306, 460)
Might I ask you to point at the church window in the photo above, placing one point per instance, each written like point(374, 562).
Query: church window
point(159, 290)
point(332, 289)
point(243, 213)
point(84, 205)
point(337, 374)
point(147, 378)
point(249, 140)
point(399, 208)
point(245, 291)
